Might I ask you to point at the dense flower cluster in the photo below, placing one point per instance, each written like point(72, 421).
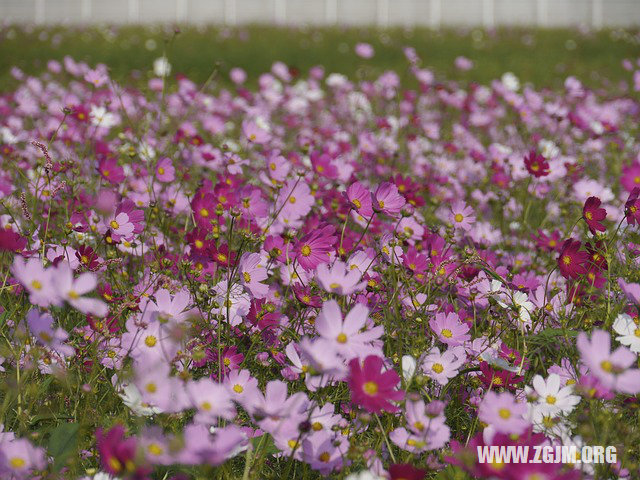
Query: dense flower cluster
point(317, 276)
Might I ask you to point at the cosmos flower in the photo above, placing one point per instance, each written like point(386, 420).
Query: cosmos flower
point(536, 164)
point(613, 369)
point(572, 260)
point(38, 281)
point(371, 388)
point(593, 214)
point(628, 331)
point(360, 199)
point(337, 279)
point(503, 412)
point(165, 172)
point(387, 199)
point(315, 247)
point(461, 216)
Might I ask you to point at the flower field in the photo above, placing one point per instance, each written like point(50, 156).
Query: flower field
point(310, 274)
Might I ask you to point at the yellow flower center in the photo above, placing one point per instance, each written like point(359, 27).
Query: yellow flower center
point(115, 225)
point(370, 388)
point(316, 426)
point(36, 285)
point(551, 400)
point(588, 216)
point(150, 341)
point(458, 218)
point(17, 462)
point(341, 338)
point(334, 285)
point(504, 413)
point(151, 387)
point(566, 259)
point(306, 250)
point(238, 388)
point(606, 365)
point(155, 449)
point(418, 426)
point(222, 257)
point(161, 171)
point(73, 295)
point(204, 212)
point(437, 367)
point(324, 457)
point(115, 464)
point(247, 277)
point(292, 199)
point(205, 406)
point(446, 333)
point(199, 243)
point(357, 203)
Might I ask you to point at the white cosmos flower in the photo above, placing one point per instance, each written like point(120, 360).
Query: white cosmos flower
point(629, 332)
point(161, 67)
point(409, 365)
point(510, 81)
point(522, 306)
point(550, 396)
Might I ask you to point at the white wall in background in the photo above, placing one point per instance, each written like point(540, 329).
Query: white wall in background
point(433, 13)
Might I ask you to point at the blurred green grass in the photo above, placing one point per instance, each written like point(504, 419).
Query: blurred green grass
point(542, 57)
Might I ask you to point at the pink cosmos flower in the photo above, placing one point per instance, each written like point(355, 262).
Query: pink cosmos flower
point(364, 50)
point(345, 336)
point(324, 451)
point(631, 290)
point(37, 280)
point(211, 401)
point(252, 273)
point(256, 132)
point(442, 367)
point(238, 76)
point(593, 214)
point(126, 222)
point(449, 329)
point(613, 369)
point(71, 290)
point(461, 216)
point(372, 388)
point(360, 199)
point(41, 326)
point(165, 172)
point(337, 279)
point(503, 412)
point(315, 247)
point(463, 63)
point(19, 459)
point(387, 199)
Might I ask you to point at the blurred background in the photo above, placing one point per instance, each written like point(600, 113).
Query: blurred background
point(432, 13)
point(541, 41)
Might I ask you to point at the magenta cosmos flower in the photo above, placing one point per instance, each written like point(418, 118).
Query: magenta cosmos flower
point(387, 199)
point(630, 178)
point(503, 412)
point(360, 199)
point(593, 214)
point(371, 388)
point(632, 207)
point(571, 260)
point(314, 248)
point(536, 164)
